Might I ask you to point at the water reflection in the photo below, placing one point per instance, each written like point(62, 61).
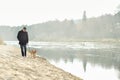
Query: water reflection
point(104, 59)
point(84, 64)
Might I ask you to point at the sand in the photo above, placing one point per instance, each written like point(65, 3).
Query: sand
point(15, 67)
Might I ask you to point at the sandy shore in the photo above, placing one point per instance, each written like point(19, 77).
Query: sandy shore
point(15, 67)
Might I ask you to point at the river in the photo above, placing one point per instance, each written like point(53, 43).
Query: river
point(87, 60)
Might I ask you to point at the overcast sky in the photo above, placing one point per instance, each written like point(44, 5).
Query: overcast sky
point(19, 12)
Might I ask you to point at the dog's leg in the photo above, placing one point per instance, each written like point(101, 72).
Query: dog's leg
point(31, 54)
point(34, 55)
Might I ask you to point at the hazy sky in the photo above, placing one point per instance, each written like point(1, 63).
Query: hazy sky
point(18, 12)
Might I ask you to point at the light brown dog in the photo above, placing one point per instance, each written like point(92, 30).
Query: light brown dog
point(33, 53)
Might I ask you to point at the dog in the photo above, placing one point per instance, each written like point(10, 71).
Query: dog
point(33, 53)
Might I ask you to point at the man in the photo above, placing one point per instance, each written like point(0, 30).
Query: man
point(22, 37)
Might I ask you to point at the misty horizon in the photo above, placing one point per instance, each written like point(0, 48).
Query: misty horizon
point(28, 12)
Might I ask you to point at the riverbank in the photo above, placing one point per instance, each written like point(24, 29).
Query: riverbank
point(15, 67)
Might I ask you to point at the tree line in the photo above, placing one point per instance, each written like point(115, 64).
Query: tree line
point(96, 28)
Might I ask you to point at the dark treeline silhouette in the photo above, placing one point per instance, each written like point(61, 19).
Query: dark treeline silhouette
point(98, 28)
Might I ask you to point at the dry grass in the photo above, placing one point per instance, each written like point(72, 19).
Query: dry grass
point(1, 42)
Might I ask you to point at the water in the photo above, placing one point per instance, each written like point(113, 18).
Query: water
point(87, 60)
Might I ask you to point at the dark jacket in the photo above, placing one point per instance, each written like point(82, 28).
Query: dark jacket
point(22, 37)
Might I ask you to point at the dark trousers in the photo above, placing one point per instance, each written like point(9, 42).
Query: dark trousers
point(23, 50)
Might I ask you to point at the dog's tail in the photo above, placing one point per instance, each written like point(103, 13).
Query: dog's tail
point(31, 49)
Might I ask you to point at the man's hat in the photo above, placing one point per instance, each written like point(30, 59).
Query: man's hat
point(24, 28)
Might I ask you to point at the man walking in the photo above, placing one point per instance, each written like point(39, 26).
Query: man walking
point(22, 37)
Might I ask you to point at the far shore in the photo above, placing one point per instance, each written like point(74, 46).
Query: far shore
point(77, 40)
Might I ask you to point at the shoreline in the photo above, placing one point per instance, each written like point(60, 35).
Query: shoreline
point(15, 67)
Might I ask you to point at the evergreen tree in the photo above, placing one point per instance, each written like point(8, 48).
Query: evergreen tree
point(84, 16)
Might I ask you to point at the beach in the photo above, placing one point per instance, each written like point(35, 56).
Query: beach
point(15, 67)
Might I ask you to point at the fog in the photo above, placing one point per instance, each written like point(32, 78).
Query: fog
point(104, 27)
